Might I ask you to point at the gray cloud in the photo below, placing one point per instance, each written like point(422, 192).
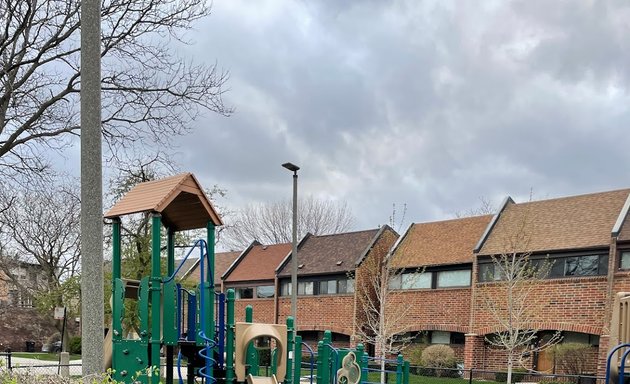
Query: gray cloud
point(430, 103)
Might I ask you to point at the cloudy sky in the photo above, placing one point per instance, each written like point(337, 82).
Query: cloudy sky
point(429, 103)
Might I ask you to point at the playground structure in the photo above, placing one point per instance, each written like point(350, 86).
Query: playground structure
point(617, 364)
point(199, 322)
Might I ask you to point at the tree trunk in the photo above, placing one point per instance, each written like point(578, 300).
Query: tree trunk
point(509, 369)
point(382, 368)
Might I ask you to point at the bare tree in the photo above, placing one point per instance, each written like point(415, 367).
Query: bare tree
point(270, 223)
point(486, 207)
point(510, 301)
point(382, 311)
point(41, 228)
point(148, 94)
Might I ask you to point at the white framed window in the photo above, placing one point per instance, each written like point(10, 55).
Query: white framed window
point(459, 278)
point(416, 280)
point(265, 291)
point(440, 337)
point(305, 288)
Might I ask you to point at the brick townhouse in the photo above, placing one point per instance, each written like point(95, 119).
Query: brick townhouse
point(582, 240)
point(435, 260)
point(326, 270)
point(253, 278)
point(190, 270)
point(447, 271)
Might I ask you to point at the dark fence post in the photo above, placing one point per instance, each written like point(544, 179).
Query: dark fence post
point(470, 377)
point(9, 359)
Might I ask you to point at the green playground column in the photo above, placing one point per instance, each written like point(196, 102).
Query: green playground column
point(253, 364)
point(117, 286)
point(170, 310)
point(406, 372)
point(360, 352)
point(116, 270)
point(321, 376)
point(290, 335)
point(297, 358)
point(399, 369)
point(229, 338)
point(209, 326)
point(156, 281)
point(327, 358)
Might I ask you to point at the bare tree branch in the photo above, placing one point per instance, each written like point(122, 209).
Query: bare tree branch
point(148, 94)
point(270, 223)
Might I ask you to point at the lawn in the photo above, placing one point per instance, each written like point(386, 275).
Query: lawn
point(374, 377)
point(42, 356)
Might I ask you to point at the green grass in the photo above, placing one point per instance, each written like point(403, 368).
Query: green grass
point(42, 356)
point(375, 377)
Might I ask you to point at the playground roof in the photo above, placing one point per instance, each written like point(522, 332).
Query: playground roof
point(179, 199)
point(567, 223)
point(330, 254)
point(440, 242)
point(257, 262)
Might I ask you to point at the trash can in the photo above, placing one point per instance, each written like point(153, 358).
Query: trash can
point(30, 346)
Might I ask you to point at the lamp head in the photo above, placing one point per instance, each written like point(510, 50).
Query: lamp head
point(291, 167)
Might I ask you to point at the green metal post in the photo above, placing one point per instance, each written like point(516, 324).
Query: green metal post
point(326, 358)
point(170, 310)
point(399, 369)
point(252, 355)
point(320, 362)
point(117, 286)
point(297, 358)
point(116, 257)
point(274, 361)
point(249, 314)
point(156, 281)
point(359, 353)
point(406, 372)
point(229, 339)
point(170, 256)
point(290, 342)
point(209, 326)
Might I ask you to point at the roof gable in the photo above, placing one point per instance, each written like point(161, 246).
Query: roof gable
point(258, 262)
point(180, 199)
point(440, 242)
point(574, 222)
point(328, 254)
point(222, 260)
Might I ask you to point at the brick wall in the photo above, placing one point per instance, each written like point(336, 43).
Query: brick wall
point(26, 325)
point(263, 310)
point(325, 312)
point(576, 305)
point(435, 310)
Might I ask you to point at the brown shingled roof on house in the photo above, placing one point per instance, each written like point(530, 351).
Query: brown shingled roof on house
point(222, 261)
point(258, 263)
point(575, 222)
point(440, 242)
point(322, 254)
point(180, 199)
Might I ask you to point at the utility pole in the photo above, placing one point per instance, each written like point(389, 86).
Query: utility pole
point(92, 312)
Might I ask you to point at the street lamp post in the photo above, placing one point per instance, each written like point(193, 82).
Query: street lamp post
point(294, 262)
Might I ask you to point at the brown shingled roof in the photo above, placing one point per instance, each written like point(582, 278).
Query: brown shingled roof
point(222, 261)
point(180, 199)
point(440, 243)
point(258, 263)
point(321, 254)
point(575, 222)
